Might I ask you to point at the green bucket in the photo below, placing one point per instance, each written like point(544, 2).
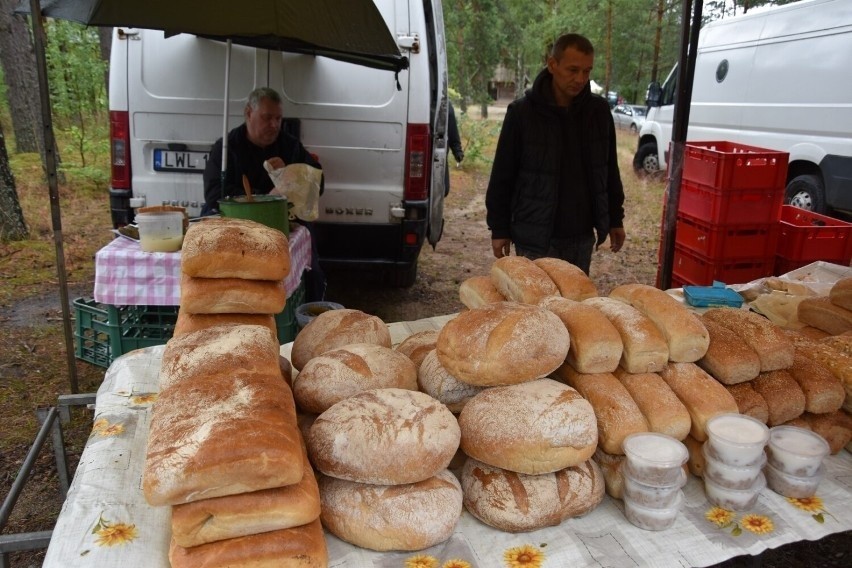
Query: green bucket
point(270, 210)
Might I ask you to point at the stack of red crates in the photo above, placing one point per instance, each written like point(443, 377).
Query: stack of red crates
point(805, 237)
point(728, 213)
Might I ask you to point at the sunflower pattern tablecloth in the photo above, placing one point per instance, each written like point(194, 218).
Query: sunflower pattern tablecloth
point(106, 522)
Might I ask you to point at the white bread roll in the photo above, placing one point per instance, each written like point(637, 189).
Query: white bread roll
point(188, 322)
point(336, 328)
point(660, 406)
point(570, 280)
point(502, 344)
point(783, 396)
point(841, 293)
point(417, 345)
point(478, 291)
point(749, 402)
point(729, 359)
point(340, 373)
point(685, 334)
point(702, 395)
point(384, 437)
point(822, 313)
point(617, 413)
point(535, 427)
point(219, 247)
point(772, 346)
point(595, 343)
point(519, 279)
point(645, 348)
point(823, 391)
point(408, 517)
point(435, 381)
point(515, 502)
point(611, 466)
point(231, 295)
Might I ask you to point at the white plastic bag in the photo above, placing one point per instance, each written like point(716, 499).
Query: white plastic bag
point(300, 184)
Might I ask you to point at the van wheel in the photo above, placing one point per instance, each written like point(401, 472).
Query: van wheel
point(806, 192)
point(645, 161)
point(403, 277)
point(633, 128)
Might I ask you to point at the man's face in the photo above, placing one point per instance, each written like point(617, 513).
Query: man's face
point(570, 73)
point(264, 123)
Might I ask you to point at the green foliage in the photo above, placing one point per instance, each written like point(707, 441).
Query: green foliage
point(477, 138)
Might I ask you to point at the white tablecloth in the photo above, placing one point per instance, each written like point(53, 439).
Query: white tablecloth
point(105, 521)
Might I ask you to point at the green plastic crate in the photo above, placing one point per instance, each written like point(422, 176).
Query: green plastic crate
point(285, 322)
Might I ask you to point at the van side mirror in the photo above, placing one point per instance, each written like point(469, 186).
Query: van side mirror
point(654, 95)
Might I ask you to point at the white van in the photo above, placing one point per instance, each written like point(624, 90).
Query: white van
point(380, 136)
point(779, 79)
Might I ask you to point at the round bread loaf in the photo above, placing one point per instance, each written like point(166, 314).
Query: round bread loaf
point(536, 427)
point(418, 345)
point(413, 516)
point(505, 343)
point(336, 328)
point(340, 373)
point(385, 437)
point(514, 502)
point(435, 381)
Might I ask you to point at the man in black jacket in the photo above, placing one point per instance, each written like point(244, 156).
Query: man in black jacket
point(555, 179)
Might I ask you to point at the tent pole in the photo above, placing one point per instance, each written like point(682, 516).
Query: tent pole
point(50, 168)
point(225, 119)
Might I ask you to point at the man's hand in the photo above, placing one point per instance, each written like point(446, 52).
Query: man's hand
point(616, 239)
point(501, 247)
point(276, 163)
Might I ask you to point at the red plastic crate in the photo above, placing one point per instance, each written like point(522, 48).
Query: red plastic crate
point(805, 236)
point(726, 241)
point(698, 270)
point(730, 206)
point(728, 165)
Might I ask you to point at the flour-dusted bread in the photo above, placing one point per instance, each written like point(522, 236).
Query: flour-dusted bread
point(434, 380)
point(660, 406)
point(384, 437)
point(478, 291)
point(519, 279)
point(188, 322)
point(702, 395)
point(231, 295)
point(515, 502)
point(595, 343)
point(220, 247)
point(570, 280)
point(771, 344)
point(536, 427)
point(840, 293)
point(823, 391)
point(645, 348)
point(502, 344)
point(611, 466)
point(343, 372)
point(822, 313)
point(406, 517)
point(685, 334)
point(729, 359)
point(783, 396)
point(336, 328)
point(417, 345)
point(749, 402)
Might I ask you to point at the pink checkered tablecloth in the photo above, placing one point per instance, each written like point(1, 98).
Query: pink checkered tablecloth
point(127, 276)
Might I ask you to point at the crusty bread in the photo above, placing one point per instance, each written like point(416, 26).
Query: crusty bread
point(343, 372)
point(823, 314)
point(835, 427)
point(536, 427)
point(519, 279)
point(728, 358)
point(188, 322)
point(838, 361)
point(702, 395)
point(595, 343)
point(645, 348)
point(783, 396)
point(749, 402)
point(385, 437)
point(502, 344)
point(297, 547)
point(409, 517)
point(685, 334)
point(771, 344)
point(515, 502)
point(611, 466)
point(417, 345)
point(810, 332)
point(823, 391)
point(696, 456)
point(435, 381)
point(336, 328)
point(231, 295)
point(235, 248)
point(841, 293)
point(570, 280)
point(663, 410)
point(617, 414)
point(478, 291)
point(841, 343)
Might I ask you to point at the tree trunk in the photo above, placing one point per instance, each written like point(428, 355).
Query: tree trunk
point(105, 41)
point(658, 33)
point(12, 225)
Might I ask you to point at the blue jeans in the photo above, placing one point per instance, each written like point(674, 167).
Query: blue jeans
point(577, 251)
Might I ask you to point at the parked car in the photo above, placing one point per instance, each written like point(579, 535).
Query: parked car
point(629, 116)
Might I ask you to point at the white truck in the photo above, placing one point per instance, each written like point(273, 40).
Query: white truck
point(779, 79)
point(380, 136)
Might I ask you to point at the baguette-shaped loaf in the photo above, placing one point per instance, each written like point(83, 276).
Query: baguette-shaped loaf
point(478, 291)
point(685, 334)
point(188, 322)
point(823, 391)
point(702, 395)
point(749, 401)
point(231, 295)
point(336, 328)
point(783, 396)
point(663, 410)
point(611, 466)
point(728, 358)
point(571, 281)
point(520, 280)
point(417, 345)
point(595, 343)
point(841, 293)
point(770, 343)
point(645, 348)
point(827, 354)
point(823, 314)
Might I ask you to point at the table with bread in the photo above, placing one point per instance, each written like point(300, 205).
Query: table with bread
point(492, 437)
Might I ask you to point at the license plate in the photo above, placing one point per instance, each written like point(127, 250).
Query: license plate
point(179, 161)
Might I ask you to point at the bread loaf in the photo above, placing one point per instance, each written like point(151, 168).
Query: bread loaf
point(782, 394)
point(615, 410)
point(728, 358)
point(595, 344)
point(835, 360)
point(835, 427)
point(696, 456)
point(823, 391)
point(417, 345)
point(231, 295)
point(413, 516)
point(478, 291)
point(297, 547)
point(822, 314)
point(536, 427)
point(520, 280)
point(809, 332)
point(645, 348)
point(502, 344)
point(336, 328)
point(685, 334)
point(515, 502)
point(340, 373)
point(570, 280)
point(435, 381)
point(188, 322)
point(749, 402)
point(664, 412)
point(841, 293)
point(701, 394)
point(220, 247)
point(770, 343)
point(611, 466)
point(384, 437)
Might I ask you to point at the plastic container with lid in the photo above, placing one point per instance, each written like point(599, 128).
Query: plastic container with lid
point(736, 439)
point(731, 476)
point(654, 459)
point(160, 231)
point(792, 485)
point(733, 499)
point(796, 451)
point(652, 496)
point(652, 519)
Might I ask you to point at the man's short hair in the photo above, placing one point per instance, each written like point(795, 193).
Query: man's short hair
point(259, 93)
point(578, 42)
